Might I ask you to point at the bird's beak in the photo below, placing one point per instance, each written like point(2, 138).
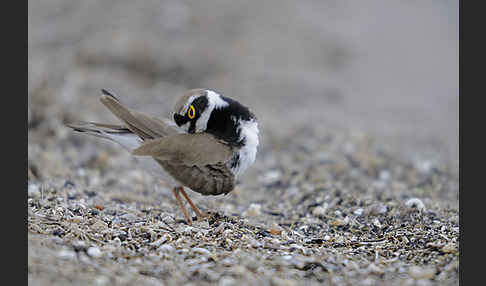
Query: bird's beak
point(179, 119)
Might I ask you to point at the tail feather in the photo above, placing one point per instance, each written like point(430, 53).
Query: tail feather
point(116, 133)
point(143, 125)
point(136, 127)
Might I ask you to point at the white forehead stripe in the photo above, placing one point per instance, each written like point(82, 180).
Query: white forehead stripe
point(214, 102)
point(189, 101)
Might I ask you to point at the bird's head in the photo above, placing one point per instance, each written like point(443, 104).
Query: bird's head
point(202, 110)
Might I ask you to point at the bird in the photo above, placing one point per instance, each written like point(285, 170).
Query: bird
point(210, 141)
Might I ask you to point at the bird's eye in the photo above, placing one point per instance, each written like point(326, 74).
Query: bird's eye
point(191, 112)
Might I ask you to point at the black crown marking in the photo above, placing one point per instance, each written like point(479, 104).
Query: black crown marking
point(223, 122)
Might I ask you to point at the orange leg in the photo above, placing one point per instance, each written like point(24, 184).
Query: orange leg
point(181, 205)
point(193, 206)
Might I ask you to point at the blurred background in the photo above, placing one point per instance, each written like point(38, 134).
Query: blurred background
point(388, 69)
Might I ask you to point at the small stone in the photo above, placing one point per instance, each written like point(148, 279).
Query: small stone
point(368, 281)
point(384, 175)
point(202, 251)
point(168, 220)
point(415, 203)
point(378, 209)
point(253, 210)
point(66, 254)
point(339, 239)
point(188, 230)
point(77, 219)
point(129, 217)
point(33, 191)
point(238, 270)
point(449, 248)
point(358, 212)
point(94, 252)
point(226, 281)
point(275, 229)
point(296, 246)
point(167, 248)
point(270, 177)
point(102, 280)
point(116, 242)
point(372, 268)
point(284, 235)
point(99, 225)
point(418, 272)
point(424, 166)
point(79, 245)
point(319, 211)
point(276, 281)
point(338, 222)
point(161, 240)
point(227, 233)
point(376, 222)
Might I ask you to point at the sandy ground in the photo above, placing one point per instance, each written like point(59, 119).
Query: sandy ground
point(356, 177)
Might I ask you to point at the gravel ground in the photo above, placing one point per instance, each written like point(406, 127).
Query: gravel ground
point(356, 178)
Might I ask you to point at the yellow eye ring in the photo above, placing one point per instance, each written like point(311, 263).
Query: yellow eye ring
point(191, 112)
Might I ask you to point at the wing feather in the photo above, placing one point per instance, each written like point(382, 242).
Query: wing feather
point(199, 149)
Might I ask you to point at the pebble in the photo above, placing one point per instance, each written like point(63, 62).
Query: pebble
point(384, 175)
point(372, 268)
point(66, 254)
point(77, 219)
point(284, 235)
point(33, 191)
point(276, 281)
point(159, 241)
point(415, 203)
point(253, 210)
point(338, 222)
point(94, 252)
point(358, 212)
point(270, 177)
point(202, 251)
point(227, 233)
point(167, 248)
point(226, 281)
point(129, 217)
point(168, 219)
point(275, 229)
point(418, 272)
point(189, 230)
point(102, 280)
point(376, 222)
point(368, 282)
point(424, 166)
point(99, 225)
point(116, 242)
point(379, 209)
point(319, 211)
point(449, 248)
point(238, 270)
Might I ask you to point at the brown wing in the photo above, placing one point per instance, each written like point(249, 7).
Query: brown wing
point(145, 126)
point(197, 149)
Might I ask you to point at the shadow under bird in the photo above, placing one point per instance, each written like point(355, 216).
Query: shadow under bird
point(211, 140)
